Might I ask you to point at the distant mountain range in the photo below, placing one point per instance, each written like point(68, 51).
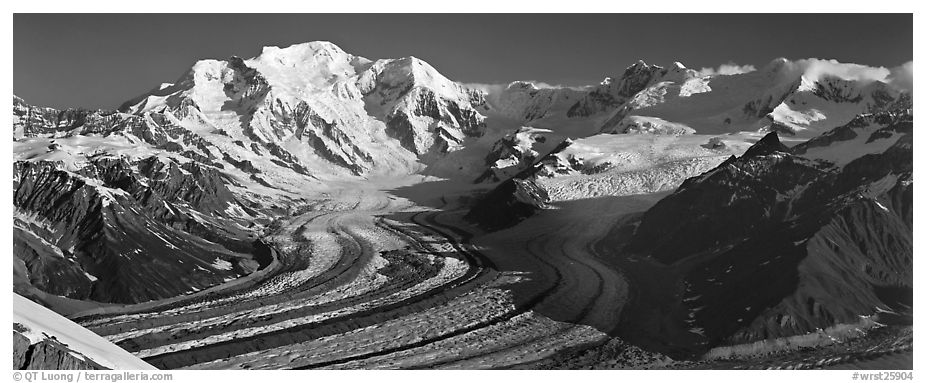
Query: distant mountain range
point(171, 193)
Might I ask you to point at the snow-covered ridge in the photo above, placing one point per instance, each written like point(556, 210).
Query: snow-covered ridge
point(865, 134)
point(39, 323)
point(803, 98)
point(799, 98)
point(322, 107)
point(324, 111)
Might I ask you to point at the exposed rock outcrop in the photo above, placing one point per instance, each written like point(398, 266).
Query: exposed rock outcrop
point(48, 354)
point(811, 243)
point(125, 233)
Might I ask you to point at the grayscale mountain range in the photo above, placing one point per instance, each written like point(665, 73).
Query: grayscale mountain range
point(310, 208)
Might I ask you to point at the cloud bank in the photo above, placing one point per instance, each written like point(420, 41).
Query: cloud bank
point(814, 69)
point(496, 88)
point(727, 69)
point(900, 77)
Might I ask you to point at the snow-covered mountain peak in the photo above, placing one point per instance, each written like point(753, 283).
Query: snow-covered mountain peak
point(410, 72)
point(304, 51)
point(523, 85)
point(310, 55)
point(308, 67)
point(638, 65)
point(636, 77)
point(207, 70)
point(313, 105)
point(769, 144)
point(866, 134)
point(801, 97)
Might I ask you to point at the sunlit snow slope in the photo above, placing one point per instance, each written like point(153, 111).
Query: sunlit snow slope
point(47, 332)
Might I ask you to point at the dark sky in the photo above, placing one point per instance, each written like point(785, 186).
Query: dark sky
point(101, 60)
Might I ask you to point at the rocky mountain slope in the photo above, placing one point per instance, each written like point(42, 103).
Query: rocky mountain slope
point(98, 220)
point(516, 198)
point(781, 241)
point(44, 340)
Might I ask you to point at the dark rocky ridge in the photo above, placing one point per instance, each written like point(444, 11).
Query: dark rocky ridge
point(510, 202)
point(136, 233)
point(772, 244)
point(48, 354)
point(509, 148)
point(900, 121)
point(125, 232)
point(155, 129)
point(611, 94)
point(515, 199)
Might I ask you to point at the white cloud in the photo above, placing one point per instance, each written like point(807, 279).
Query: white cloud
point(496, 88)
point(488, 88)
point(727, 69)
point(813, 69)
point(902, 76)
point(544, 85)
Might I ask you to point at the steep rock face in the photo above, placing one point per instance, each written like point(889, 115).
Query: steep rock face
point(516, 152)
point(813, 244)
point(112, 235)
point(611, 94)
point(507, 204)
point(29, 120)
point(867, 133)
point(515, 199)
point(157, 131)
point(752, 196)
point(422, 109)
point(321, 134)
point(48, 355)
point(447, 124)
point(40, 266)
